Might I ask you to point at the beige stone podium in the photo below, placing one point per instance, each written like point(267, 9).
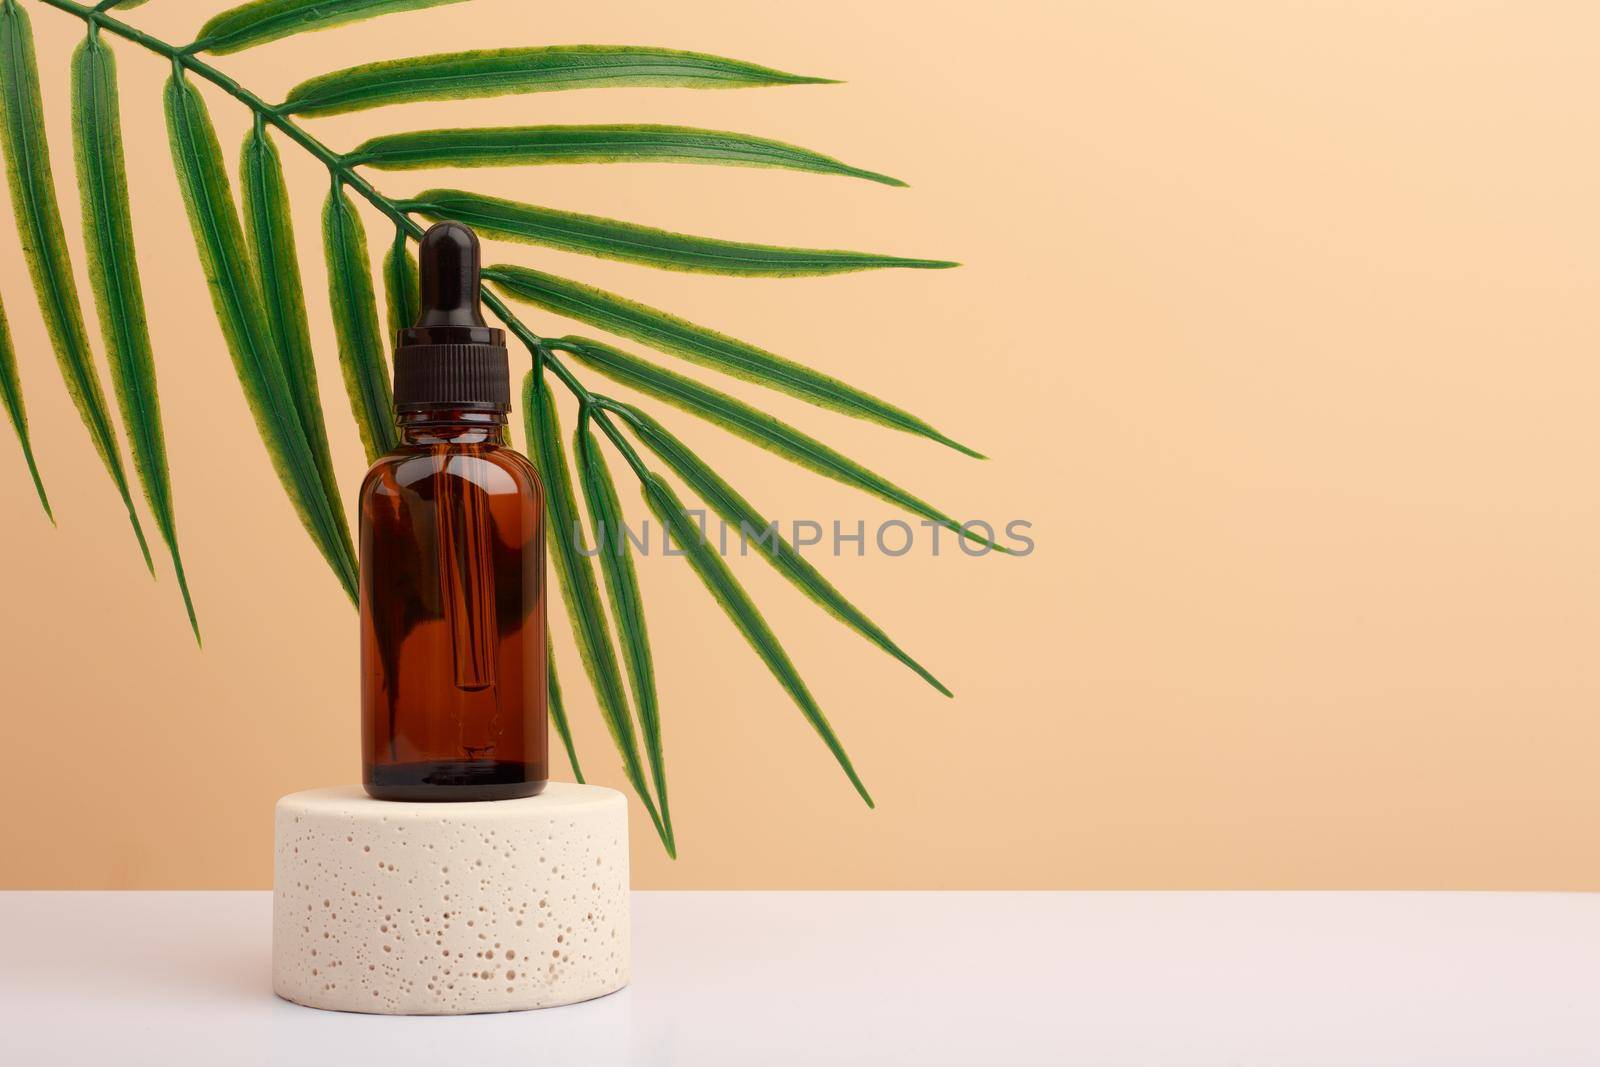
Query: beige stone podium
point(448, 909)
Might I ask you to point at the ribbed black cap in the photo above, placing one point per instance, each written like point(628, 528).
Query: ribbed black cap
point(450, 358)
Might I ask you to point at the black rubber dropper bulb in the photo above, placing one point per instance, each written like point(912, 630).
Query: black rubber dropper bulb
point(449, 358)
point(449, 260)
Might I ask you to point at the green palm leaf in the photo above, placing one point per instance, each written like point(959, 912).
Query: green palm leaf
point(11, 396)
point(558, 710)
point(738, 512)
point(44, 244)
point(220, 243)
point(627, 605)
point(400, 285)
point(578, 587)
point(757, 427)
point(114, 277)
point(631, 243)
point(355, 321)
point(503, 146)
point(498, 72)
point(261, 21)
point(685, 339)
point(257, 293)
point(741, 609)
point(269, 232)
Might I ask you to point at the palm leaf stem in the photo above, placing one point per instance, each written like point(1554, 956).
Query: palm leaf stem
point(351, 179)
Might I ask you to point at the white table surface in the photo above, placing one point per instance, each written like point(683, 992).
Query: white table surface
point(768, 979)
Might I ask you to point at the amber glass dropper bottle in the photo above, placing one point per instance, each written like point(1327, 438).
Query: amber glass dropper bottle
point(453, 666)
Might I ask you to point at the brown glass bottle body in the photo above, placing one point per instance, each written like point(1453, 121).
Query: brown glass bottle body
point(453, 682)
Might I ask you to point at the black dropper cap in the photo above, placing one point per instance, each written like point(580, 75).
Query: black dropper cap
point(450, 358)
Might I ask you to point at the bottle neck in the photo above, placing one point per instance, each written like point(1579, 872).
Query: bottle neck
point(449, 426)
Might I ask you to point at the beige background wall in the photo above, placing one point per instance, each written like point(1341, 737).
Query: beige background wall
point(1277, 320)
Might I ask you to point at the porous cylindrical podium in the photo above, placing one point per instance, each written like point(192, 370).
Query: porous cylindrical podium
point(446, 909)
